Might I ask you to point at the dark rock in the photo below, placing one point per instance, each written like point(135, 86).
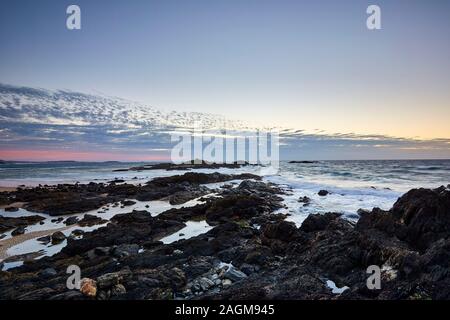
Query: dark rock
point(48, 273)
point(234, 275)
point(318, 222)
point(283, 230)
point(11, 209)
point(91, 220)
point(44, 239)
point(8, 223)
point(18, 231)
point(58, 237)
point(127, 203)
point(102, 251)
point(109, 280)
point(305, 200)
point(70, 221)
point(323, 193)
point(125, 250)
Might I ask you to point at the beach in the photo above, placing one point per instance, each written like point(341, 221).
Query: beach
point(166, 232)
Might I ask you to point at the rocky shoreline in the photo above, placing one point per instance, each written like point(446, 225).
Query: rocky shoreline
point(249, 251)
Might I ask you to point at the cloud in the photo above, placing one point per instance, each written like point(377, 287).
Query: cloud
point(64, 120)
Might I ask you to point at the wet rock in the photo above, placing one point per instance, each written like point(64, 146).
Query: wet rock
point(11, 209)
point(305, 200)
point(249, 269)
point(8, 223)
point(77, 232)
point(18, 231)
point(68, 295)
point(118, 290)
point(44, 239)
point(424, 215)
point(71, 220)
point(58, 237)
point(206, 283)
point(102, 251)
point(109, 280)
point(197, 164)
point(282, 230)
point(48, 273)
point(234, 275)
point(91, 220)
point(127, 203)
point(117, 181)
point(318, 222)
point(125, 250)
point(323, 193)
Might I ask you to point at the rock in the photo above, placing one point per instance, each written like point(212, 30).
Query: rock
point(88, 287)
point(8, 223)
point(102, 251)
point(91, 220)
point(305, 200)
point(125, 250)
point(58, 237)
point(117, 181)
point(318, 222)
point(44, 239)
point(127, 203)
point(234, 275)
point(18, 231)
point(249, 269)
point(282, 230)
point(48, 273)
point(111, 279)
point(323, 193)
point(206, 283)
point(11, 209)
point(68, 295)
point(118, 290)
point(71, 220)
point(424, 215)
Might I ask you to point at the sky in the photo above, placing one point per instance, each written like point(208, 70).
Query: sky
point(307, 65)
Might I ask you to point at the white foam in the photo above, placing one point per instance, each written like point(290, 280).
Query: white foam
point(334, 288)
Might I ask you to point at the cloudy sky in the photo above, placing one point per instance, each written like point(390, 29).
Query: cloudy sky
point(310, 66)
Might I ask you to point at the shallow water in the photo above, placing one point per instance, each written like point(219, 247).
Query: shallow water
point(107, 212)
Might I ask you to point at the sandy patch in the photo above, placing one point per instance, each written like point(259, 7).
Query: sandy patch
point(8, 243)
point(7, 189)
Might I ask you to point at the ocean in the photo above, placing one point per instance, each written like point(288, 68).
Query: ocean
point(352, 184)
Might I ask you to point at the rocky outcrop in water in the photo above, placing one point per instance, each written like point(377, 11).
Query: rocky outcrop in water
point(64, 199)
point(194, 164)
point(8, 223)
